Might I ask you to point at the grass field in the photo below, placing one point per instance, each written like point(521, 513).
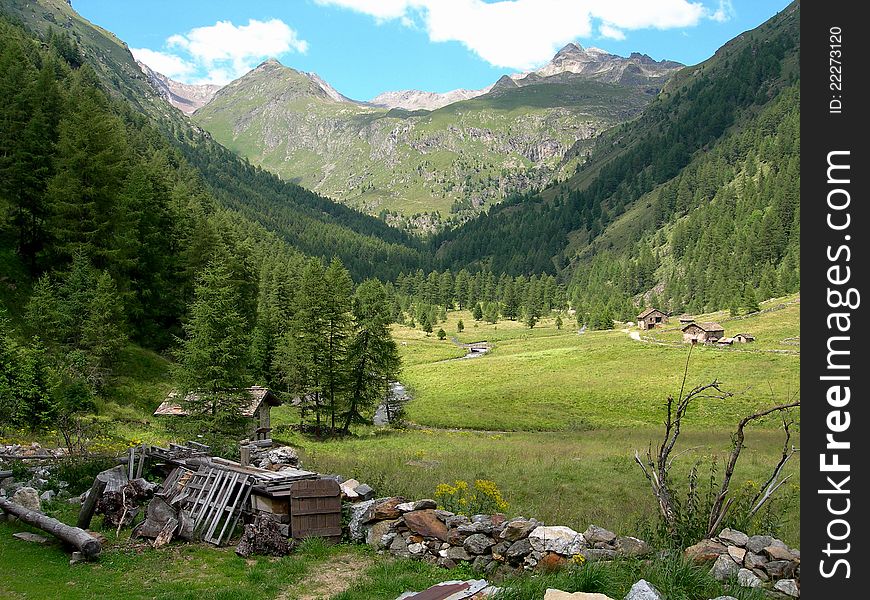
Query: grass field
point(551, 380)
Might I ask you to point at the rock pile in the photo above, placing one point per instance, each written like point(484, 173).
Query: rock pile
point(492, 544)
point(759, 561)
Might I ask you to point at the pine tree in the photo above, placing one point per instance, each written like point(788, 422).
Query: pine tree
point(477, 313)
point(337, 321)
point(373, 358)
point(460, 326)
point(213, 355)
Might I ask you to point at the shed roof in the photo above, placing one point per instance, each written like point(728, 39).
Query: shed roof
point(648, 312)
point(172, 407)
point(708, 327)
point(748, 336)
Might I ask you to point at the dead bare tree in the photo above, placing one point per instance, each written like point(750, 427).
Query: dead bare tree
point(656, 467)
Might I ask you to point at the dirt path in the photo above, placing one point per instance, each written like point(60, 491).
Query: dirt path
point(329, 578)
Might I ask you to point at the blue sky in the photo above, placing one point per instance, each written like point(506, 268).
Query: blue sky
point(364, 47)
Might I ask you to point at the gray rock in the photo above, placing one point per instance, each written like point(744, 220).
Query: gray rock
point(480, 563)
point(780, 569)
point(47, 495)
point(425, 504)
point(732, 537)
point(558, 539)
point(28, 498)
point(757, 543)
point(788, 587)
point(724, 568)
point(444, 515)
point(446, 563)
point(456, 520)
point(365, 492)
point(593, 554)
point(500, 548)
point(753, 560)
point(416, 549)
point(518, 550)
point(724, 598)
point(30, 537)
point(737, 553)
point(357, 515)
point(399, 547)
point(478, 543)
point(283, 455)
point(747, 578)
point(631, 546)
point(516, 530)
point(595, 534)
point(643, 590)
point(457, 554)
point(375, 533)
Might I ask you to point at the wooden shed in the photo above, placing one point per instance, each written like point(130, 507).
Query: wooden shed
point(258, 410)
point(651, 317)
point(703, 333)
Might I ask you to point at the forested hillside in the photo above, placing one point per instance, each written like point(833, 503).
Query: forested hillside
point(110, 234)
point(731, 106)
point(312, 224)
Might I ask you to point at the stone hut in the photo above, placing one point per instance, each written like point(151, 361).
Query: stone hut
point(651, 317)
point(744, 338)
point(703, 333)
point(258, 410)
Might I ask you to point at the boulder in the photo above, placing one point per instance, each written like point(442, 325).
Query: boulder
point(283, 455)
point(780, 569)
point(631, 546)
point(788, 587)
point(593, 554)
point(516, 530)
point(551, 562)
point(705, 551)
point(376, 533)
point(358, 514)
point(757, 543)
point(457, 554)
point(724, 568)
point(518, 550)
point(747, 578)
point(552, 594)
point(753, 561)
point(478, 543)
point(643, 590)
point(737, 553)
point(778, 553)
point(595, 534)
point(28, 498)
point(365, 491)
point(558, 539)
point(732, 537)
point(384, 509)
point(426, 523)
point(399, 547)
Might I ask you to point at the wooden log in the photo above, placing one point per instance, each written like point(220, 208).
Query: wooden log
point(115, 476)
point(80, 539)
point(5, 474)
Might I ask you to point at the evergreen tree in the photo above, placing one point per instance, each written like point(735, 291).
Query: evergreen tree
point(477, 313)
point(373, 358)
point(460, 326)
point(212, 357)
point(337, 322)
point(442, 335)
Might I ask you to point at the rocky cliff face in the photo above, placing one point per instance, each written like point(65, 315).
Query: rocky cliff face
point(418, 100)
point(185, 97)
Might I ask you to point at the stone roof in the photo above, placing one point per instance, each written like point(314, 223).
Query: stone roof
point(648, 312)
point(172, 407)
point(708, 327)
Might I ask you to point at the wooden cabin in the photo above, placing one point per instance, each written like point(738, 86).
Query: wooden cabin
point(651, 317)
point(703, 333)
point(744, 338)
point(258, 410)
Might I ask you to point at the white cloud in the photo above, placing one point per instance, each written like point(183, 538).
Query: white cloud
point(724, 13)
point(611, 32)
point(168, 64)
point(522, 34)
point(222, 52)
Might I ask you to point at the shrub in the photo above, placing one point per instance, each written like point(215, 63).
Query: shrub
point(483, 498)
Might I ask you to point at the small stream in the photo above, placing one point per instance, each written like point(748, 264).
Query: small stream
point(395, 399)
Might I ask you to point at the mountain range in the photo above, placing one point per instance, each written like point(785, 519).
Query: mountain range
point(422, 160)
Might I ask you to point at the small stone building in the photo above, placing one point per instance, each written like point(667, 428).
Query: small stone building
point(258, 410)
point(744, 338)
point(651, 317)
point(703, 333)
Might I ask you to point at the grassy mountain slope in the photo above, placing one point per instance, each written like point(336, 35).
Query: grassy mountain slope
point(307, 221)
point(699, 107)
point(456, 159)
